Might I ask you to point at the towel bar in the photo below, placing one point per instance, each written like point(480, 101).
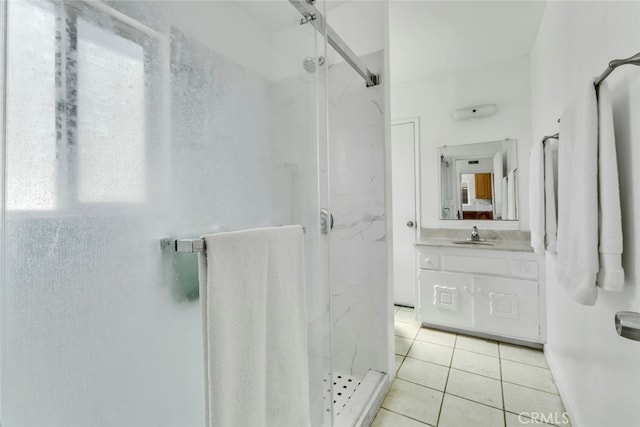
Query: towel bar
point(613, 64)
point(188, 245)
point(182, 245)
point(628, 324)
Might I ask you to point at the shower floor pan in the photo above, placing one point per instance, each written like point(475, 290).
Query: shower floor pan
point(352, 396)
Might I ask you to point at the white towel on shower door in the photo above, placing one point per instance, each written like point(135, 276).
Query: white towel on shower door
point(577, 264)
point(252, 294)
point(611, 275)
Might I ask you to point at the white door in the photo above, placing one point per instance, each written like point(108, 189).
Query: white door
point(403, 188)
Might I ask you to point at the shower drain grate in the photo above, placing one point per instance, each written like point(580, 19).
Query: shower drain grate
point(344, 386)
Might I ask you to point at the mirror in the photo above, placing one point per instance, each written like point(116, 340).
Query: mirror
point(479, 181)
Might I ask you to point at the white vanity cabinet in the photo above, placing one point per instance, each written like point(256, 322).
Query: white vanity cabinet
point(490, 292)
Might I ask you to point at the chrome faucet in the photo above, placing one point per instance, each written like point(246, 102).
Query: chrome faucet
point(475, 237)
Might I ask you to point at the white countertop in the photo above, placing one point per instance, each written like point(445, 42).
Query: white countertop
point(517, 241)
point(496, 245)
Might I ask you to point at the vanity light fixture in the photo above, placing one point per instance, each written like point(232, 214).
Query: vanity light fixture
point(476, 112)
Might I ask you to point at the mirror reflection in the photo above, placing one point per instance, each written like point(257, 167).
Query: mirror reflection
point(479, 181)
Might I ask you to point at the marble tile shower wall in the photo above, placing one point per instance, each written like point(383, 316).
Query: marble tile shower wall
point(358, 246)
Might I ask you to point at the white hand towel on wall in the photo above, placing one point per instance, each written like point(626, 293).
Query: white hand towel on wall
point(611, 274)
point(550, 193)
point(252, 295)
point(536, 197)
point(577, 265)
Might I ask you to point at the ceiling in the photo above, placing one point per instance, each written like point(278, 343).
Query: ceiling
point(434, 37)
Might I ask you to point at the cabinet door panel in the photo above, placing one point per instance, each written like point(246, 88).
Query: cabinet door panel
point(506, 306)
point(446, 298)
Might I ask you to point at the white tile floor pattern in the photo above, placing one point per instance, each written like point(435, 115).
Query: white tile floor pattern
point(451, 380)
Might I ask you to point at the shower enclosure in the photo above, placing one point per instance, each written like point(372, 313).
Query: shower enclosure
point(126, 123)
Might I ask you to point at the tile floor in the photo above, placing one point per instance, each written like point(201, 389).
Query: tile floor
point(451, 380)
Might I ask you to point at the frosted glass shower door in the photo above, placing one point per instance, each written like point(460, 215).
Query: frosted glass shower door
point(128, 123)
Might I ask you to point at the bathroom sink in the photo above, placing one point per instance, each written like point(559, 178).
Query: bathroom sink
point(472, 242)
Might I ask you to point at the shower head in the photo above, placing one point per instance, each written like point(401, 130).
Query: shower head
point(309, 63)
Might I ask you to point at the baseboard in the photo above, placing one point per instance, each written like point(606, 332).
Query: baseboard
point(563, 389)
point(517, 341)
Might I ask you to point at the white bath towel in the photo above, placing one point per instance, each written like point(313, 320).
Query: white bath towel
point(505, 198)
point(611, 274)
point(512, 194)
point(550, 194)
point(536, 197)
point(255, 343)
point(577, 264)
point(516, 194)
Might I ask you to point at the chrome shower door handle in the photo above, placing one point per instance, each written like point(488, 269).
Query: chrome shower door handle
point(326, 221)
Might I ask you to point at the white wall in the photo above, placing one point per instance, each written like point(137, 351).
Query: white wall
point(597, 372)
point(360, 24)
point(433, 99)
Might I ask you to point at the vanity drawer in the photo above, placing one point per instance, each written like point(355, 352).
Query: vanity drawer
point(524, 269)
point(428, 261)
point(468, 264)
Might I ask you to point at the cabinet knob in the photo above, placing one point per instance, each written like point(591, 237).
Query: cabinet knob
point(410, 224)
